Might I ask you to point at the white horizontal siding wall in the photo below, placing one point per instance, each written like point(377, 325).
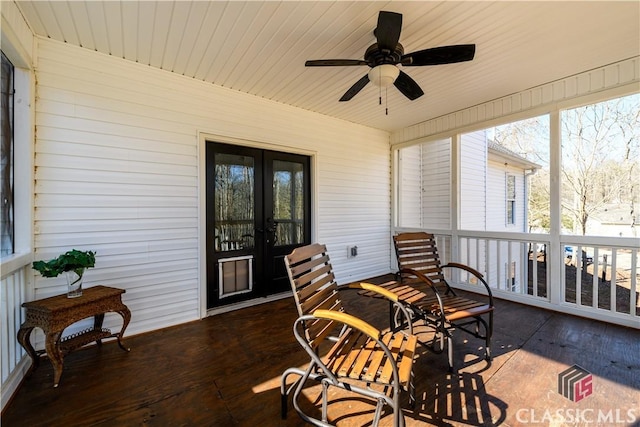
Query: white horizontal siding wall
point(473, 181)
point(611, 76)
point(436, 184)
point(410, 179)
point(117, 171)
point(496, 201)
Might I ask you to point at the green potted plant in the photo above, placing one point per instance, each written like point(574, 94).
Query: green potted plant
point(73, 263)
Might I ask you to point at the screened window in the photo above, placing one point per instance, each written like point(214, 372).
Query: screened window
point(504, 177)
point(511, 199)
point(7, 160)
point(601, 168)
point(424, 185)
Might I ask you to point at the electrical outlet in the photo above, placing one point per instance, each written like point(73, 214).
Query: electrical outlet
point(352, 251)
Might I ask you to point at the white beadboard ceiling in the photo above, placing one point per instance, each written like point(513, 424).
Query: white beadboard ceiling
point(260, 47)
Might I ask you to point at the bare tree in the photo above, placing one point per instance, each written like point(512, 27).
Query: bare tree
point(600, 145)
point(530, 139)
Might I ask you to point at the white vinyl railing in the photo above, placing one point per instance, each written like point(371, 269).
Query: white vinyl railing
point(593, 277)
point(13, 288)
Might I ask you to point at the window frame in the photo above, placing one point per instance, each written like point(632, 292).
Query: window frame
point(510, 199)
point(23, 159)
point(8, 148)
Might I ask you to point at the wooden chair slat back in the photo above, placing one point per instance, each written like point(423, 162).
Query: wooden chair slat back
point(314, 287)
point(418, 251)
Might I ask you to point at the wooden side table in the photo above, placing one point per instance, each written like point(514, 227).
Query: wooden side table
point(54, 314)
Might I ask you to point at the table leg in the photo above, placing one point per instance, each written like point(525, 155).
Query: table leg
point(24, 335)
point(97, 324)
point(126, 318)
point(51, 344)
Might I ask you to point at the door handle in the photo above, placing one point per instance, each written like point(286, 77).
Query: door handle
point(271, 228)
point(271, 225)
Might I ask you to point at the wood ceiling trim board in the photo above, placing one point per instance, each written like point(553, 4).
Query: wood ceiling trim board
point(189, 44)
point(427, 31)
point(113, 19)
point(30, 12)
point(83, 26)
point(203, 44)
point(252, 43)
point(234, 48)
point(273, 68)
point(160, 34)
point(130, 18)
point(225, 27)
point(97, 22)
point(176, 33)
point(353, 44)
point(145, 31)
point(341, 39)
point(294, 89)
point(300, 45)
point(65, 22)
point(48, 19)
point(282, 39)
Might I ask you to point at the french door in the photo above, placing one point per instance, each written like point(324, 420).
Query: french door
point(258, 210)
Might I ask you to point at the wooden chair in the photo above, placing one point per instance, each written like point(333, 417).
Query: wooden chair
point(344, 351)
point(429, 297)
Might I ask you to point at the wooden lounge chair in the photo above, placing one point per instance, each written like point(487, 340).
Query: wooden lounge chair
point(344, 351)
point(428, 296)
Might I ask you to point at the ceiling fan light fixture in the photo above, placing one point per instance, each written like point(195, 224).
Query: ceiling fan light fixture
point(384, 75)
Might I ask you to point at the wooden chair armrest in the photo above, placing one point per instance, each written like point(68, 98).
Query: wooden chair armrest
point(385, 293)
point(348, 319)
point(464, 267)
point(475, 273)
point(429, 282)
point(420, 276)
point(375, 288)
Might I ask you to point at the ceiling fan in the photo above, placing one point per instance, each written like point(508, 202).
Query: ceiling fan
point(384, 56)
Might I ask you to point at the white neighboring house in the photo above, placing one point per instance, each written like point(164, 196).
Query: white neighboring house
point(493, 197)
point(616, 220)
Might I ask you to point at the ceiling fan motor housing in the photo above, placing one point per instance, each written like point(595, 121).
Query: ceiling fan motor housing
point(376, 56)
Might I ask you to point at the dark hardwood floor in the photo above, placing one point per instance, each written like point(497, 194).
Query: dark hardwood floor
point(225, 370)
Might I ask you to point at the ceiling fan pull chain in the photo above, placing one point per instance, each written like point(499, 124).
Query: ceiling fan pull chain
point(386, 101)
point(379, 90)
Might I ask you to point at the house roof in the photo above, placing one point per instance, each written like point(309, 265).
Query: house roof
point(499, 151)
point(260, 47)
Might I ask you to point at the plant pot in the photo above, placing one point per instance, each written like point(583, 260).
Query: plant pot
point(74, 283)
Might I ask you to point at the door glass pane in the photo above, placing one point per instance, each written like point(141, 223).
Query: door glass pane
point(234, 202)
point(288, 202)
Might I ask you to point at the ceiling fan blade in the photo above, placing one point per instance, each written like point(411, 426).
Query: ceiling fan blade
point(334, 62)
point(388, 30)
point(408, 86)
point(440, 55)
point(357, 87)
